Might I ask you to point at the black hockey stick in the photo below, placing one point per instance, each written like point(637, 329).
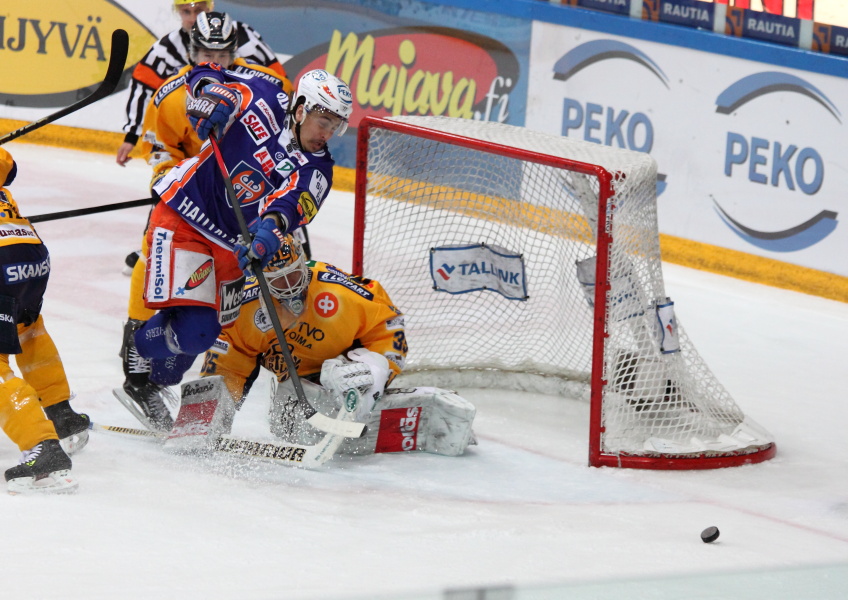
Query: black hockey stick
point(117, 60)
point(313, 417)
point(66, 214)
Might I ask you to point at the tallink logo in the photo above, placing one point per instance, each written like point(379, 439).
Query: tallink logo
point(445, 271)
point(608, 125)
point(778, 163)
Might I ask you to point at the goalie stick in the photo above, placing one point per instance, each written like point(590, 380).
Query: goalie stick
point(313, 417)
point(295, 455)
point(117, 60)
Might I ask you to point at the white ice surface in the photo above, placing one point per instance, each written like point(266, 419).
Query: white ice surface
point(520, 509)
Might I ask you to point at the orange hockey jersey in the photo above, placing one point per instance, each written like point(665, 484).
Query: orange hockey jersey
point(341, 312)
point(14, 228)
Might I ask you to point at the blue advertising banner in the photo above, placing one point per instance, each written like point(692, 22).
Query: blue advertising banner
point(771, 28)
point(621, 7)
point(690, 13)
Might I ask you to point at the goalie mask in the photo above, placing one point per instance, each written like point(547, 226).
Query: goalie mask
point(213, 31)
point(288, 276)
point(319, 91)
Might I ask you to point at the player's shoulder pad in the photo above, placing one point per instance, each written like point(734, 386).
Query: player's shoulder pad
point(257, 80)
point(254, 70)
point(326, 273)
point(169, 86)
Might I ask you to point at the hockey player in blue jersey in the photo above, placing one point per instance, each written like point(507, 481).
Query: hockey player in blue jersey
point(275, 150)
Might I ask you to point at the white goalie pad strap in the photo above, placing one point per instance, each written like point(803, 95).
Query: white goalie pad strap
point(206, 412)
point(424, 419)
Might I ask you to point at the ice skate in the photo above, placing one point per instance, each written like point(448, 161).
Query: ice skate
point(44, 468)
point(71, 427)
point(148, 403)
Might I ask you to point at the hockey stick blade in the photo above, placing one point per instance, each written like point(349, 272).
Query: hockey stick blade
point(326, 448)
point(133, 431)
point(295, 455)
point(117, 60)
point(313, 417)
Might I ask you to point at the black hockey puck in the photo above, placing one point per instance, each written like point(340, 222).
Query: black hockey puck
point(710, 534)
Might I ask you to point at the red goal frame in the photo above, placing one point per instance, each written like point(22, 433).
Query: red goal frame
point(606, 202)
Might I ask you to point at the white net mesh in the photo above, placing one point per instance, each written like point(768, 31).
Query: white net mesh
point(427, 197)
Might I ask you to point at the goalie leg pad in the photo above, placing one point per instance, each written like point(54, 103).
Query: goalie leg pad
point(206, 413)
point(425, 419)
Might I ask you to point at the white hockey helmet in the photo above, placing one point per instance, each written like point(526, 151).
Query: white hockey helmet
point(318, 89)
point(287, 274)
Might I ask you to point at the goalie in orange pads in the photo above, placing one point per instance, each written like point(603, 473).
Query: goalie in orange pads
point(25, 264)
point(343, 332)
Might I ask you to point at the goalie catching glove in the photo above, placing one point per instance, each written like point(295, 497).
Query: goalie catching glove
point(361, 369)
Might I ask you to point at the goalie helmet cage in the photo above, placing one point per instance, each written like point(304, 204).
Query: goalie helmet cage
point(487, 236)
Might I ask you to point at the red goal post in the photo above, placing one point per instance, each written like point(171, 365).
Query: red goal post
point(531, 261)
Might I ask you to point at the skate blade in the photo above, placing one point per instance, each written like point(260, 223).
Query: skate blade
point(74, 442)
point(57, 482)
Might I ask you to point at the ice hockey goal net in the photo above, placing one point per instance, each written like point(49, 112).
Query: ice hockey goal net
point(532, 261)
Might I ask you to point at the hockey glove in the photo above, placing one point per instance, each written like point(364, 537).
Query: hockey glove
point(211, 111)
point(340, 375)
point(362, 369)
point(266, 242)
